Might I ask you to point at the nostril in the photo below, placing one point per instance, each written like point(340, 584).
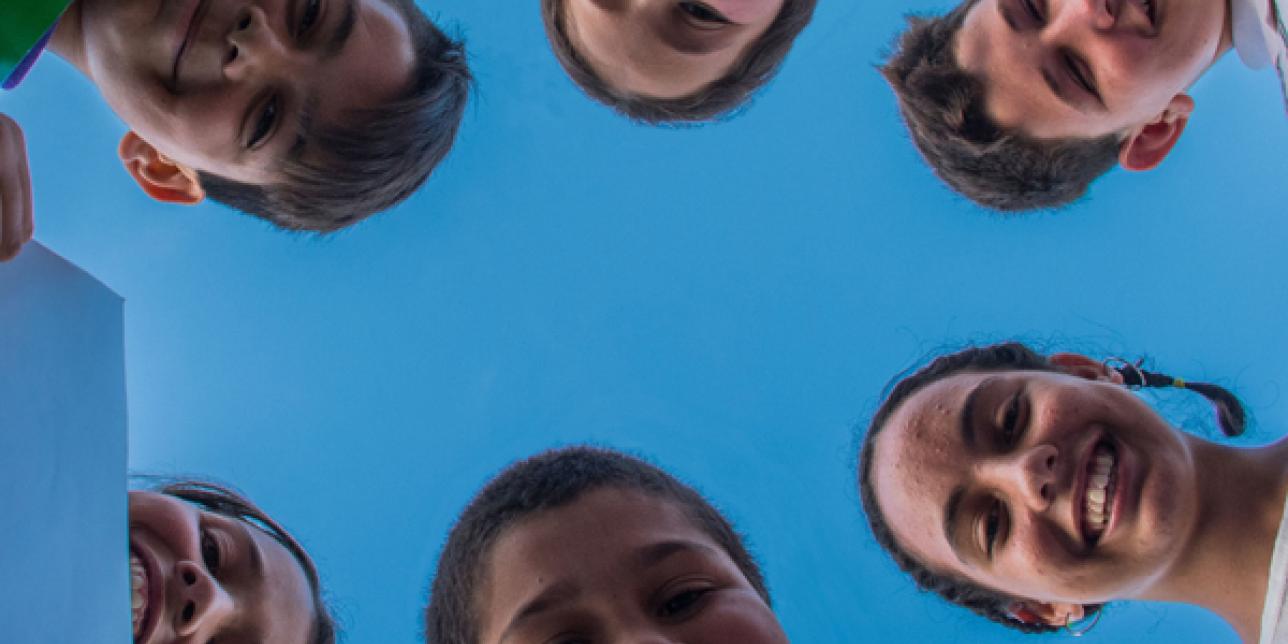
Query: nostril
point(231, 56)
point(1045, 492)
point(189, 609)
point(189, 578)
point(1050, 462)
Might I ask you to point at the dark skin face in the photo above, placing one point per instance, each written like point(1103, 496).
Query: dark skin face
point(202, 577)
point(618, 566)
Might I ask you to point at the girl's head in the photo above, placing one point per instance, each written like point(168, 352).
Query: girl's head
point(206, 564)
point(672, 61)
point(1030, 488)
point(591, 545)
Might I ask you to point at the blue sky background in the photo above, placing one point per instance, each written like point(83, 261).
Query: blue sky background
point(728, 301)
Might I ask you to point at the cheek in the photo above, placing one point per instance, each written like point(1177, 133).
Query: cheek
point(749, 11)
point(738, 618)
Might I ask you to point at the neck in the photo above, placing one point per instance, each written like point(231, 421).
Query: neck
point(1224, 566)
point(68, 41)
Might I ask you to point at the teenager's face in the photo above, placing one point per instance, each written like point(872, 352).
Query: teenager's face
point(1087, 68)
point(224, 85)
point(202, 577)
point(618, 566)
point(1043, 486)
point(665, 48)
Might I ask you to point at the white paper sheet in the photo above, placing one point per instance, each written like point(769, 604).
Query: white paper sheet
point(63, 527)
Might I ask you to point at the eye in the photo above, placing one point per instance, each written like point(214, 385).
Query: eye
point(210, 554)
point(992, 527)
point(1031, 7)
point(1011, 420)
point(704, 13)
point(264, 124)
point(683, 602)
point(309, 16)
point(1079, 75)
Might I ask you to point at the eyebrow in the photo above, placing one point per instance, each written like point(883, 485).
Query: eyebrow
point(966, 421)
point(560, 593)
point(340, 37)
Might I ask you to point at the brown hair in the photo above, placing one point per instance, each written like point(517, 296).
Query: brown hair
point(224, 500)
point(1009, 356)
point(719, 99)
point(943, 108)
point(544, 482)
point(379, 158)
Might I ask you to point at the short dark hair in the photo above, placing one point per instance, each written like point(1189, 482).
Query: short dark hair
point(943, 107)
point(376, 160)
point(224, 500)
point(544, 482)
point(718, 99)
point(1007, 356)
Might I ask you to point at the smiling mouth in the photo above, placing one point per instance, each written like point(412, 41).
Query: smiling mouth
point(1098, 493)
point(193, 25)
point(138, 594)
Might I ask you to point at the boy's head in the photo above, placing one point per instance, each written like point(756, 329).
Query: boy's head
point(1020, 104)
point(601, 545)
point(662, 61)
point(309, 113)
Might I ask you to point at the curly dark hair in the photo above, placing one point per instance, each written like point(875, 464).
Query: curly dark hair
point(379, 158)
point(717, 100)
point(544, 482)
point(1009, 356)
point(943, 107)
point(224, 500)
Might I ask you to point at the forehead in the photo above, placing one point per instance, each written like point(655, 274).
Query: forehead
point(590, 541)
point(918, 458)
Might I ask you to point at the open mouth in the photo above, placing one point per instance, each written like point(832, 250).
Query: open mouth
point(1098, 492)
point(145, 593)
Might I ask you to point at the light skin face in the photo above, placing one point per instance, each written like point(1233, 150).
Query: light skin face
point(1084, 69)
point(665, 48)
point(224, 86)
point(1006, 455)
point(618, 566)
point(214, 578)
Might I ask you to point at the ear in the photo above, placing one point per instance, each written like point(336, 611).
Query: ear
point(1038, 613)
point(1076, 364)
point(1147, 145)
point(160, 177)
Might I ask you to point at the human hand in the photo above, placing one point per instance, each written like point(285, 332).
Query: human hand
point(16, 224)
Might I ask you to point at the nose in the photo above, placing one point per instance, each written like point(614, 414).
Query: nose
point(1028, 476)
point(202, 603)
point(1080, 18)
point(251, 44)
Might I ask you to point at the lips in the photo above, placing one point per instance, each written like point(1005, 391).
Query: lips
point(145, 593)
point(1096, 496)
point(191, 27)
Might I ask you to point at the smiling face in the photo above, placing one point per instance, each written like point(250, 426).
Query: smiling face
point(1060, 69)
point(1043, 486)
point(617, 565)
point(665, 48)
point(226, 86)
point(200, 576)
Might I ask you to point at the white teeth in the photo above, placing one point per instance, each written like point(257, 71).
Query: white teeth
point(1095, 504)
point(138, 596)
